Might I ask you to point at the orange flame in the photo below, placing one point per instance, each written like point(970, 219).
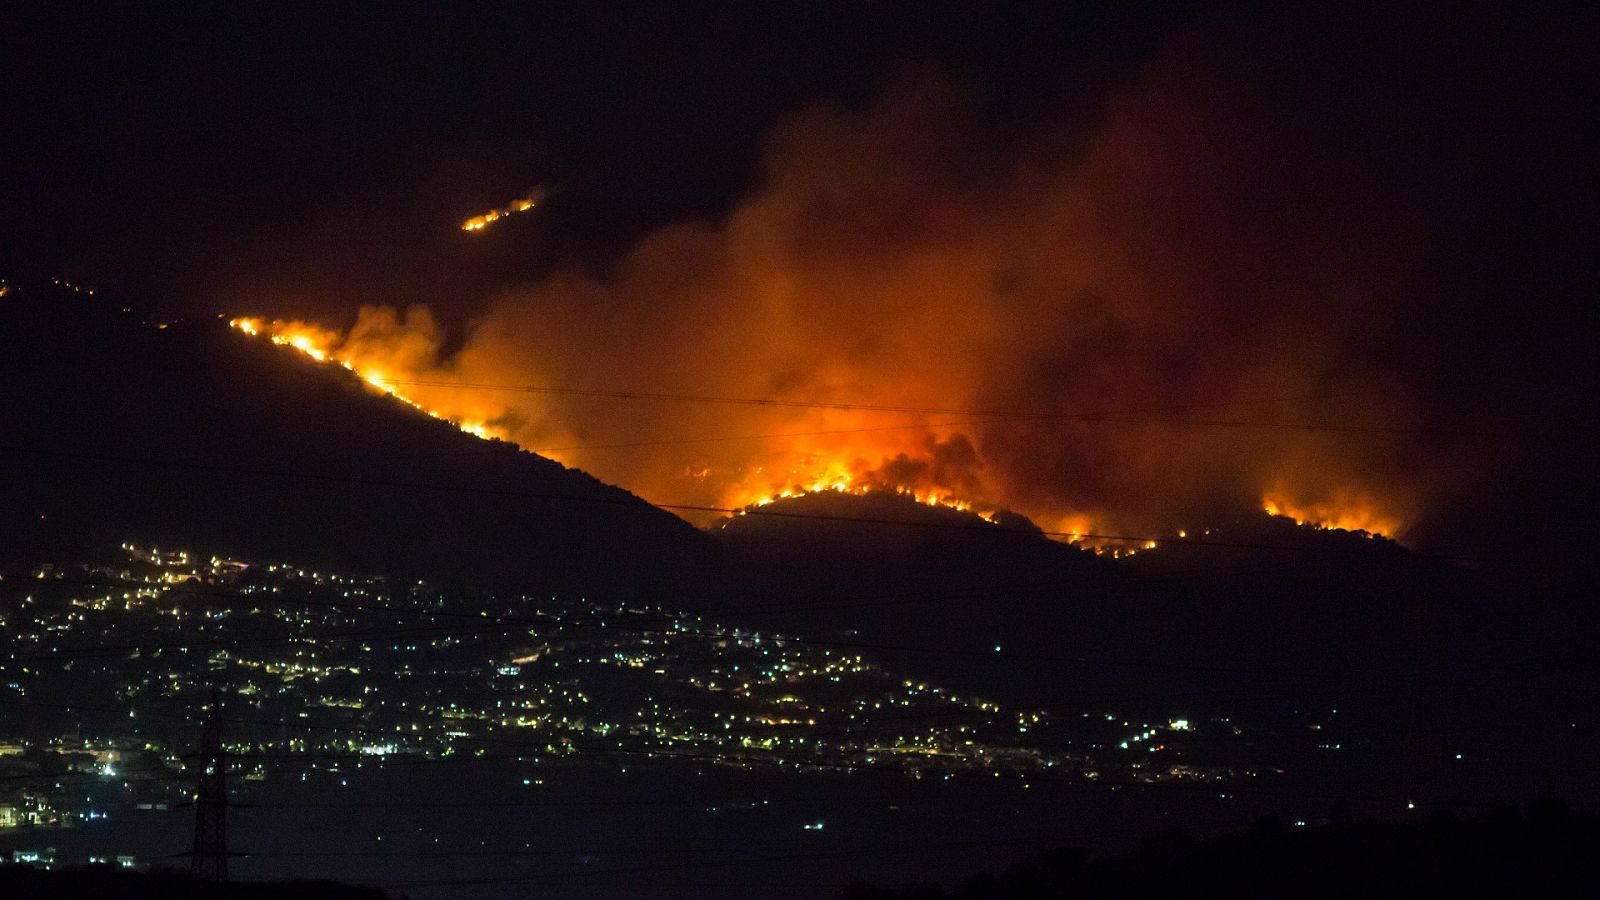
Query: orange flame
point(843, 482)
point(479, 223)
point(1345, 511)
point(821, 473)
point(845, 461)
point(834, 464)
point(836, 477)
point(324, 346)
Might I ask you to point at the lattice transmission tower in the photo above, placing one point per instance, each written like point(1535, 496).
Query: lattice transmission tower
point(209, 859)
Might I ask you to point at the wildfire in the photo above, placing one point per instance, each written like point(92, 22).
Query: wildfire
point(842, 482)
point(858, 462)
point(1075, 529)
point(479, 223)
point(1346, 512)
point(322, 345)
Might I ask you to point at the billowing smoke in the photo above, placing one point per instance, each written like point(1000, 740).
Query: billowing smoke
point(1120, 325)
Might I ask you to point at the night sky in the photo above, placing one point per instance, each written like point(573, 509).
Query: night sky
point(231, 144)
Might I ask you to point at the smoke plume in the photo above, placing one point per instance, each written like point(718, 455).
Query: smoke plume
point(1123, 326)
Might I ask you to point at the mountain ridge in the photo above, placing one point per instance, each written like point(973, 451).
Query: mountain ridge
point(187, 432)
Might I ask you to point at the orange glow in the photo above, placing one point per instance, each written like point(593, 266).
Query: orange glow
point(1345, 511)
point(397, 357)
point(903, 304)
point(479, 223)
point(839, 481)
point(1081, 531)
point(325, 345)
point(849, 462)
point(822, 464)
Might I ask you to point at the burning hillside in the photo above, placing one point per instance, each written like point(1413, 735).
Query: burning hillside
point(1326, 264)
point(1175, 317)
point(1059, 342)
point(323, 345)
point(520, 205)
point(1360, 515)
point(902, 476)
point(327, 346)
point(291, 457)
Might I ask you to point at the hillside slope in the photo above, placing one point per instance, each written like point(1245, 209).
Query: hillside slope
point(115, 429)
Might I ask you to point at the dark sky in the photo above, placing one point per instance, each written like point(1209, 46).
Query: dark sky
point(178, 152)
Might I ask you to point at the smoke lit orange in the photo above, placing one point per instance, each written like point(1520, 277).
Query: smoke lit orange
point(842, 482)
point(1346, 512)
point(844, 469)
point(844, 461)
point(324, 345)
point(865, 293)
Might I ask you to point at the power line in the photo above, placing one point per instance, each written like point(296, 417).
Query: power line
point(1127, 417)
point(667, 442)
point(777, 402)
point(1010, 414)
point(633, 502)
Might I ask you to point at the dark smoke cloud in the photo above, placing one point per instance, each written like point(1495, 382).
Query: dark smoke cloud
point(1252, 230)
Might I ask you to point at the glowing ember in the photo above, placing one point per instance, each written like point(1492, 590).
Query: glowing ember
point(843, 483)
point(479, 223)
point(1345, 512)
point(324, 345)
point(825, 450)
point(1077, 530)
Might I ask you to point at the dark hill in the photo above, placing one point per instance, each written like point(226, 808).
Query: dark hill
point(192, 434)
point(885, 542)
point(1504, 855)
point(884, 570)
point(1259, 620)
point(104, 883)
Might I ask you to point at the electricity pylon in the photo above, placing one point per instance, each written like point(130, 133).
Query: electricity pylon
point(209, 859)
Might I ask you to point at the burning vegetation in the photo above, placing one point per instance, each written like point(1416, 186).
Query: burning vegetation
point(479, 223)
point(329, 346)
point(324, 346)
point(1361, 515)
point(1053, 325)
point(1350, 513)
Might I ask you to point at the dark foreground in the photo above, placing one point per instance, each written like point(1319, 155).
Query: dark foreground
point(1545, 853)
point(96, 882)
